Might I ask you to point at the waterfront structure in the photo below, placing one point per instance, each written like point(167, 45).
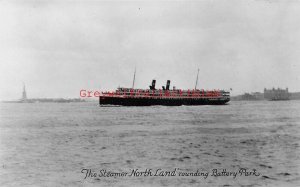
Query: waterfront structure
point(276, 94)
point(24, 94)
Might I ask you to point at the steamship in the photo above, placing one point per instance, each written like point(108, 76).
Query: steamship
point(165, 96)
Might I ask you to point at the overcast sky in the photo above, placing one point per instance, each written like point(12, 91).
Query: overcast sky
point(60, 47)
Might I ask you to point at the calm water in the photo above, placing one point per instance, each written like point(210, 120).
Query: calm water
point(48, 144)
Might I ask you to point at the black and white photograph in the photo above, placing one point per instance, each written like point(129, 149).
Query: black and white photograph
point(150, 93)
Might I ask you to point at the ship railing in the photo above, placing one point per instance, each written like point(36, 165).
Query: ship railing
point(167, 94)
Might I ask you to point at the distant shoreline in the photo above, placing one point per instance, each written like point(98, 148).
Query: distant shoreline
point(293, 96)
point(258, 96)
point(47, 100)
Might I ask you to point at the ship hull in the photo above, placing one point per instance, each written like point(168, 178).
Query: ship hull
point(131, 101)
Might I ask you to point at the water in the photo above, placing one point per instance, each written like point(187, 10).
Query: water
point(48, 144)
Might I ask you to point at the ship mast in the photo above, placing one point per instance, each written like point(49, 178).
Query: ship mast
point(197, 79)
point(133, 77)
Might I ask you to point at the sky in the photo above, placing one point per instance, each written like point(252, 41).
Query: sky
point(58, 48)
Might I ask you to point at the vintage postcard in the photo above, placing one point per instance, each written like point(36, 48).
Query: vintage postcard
point(149, 93)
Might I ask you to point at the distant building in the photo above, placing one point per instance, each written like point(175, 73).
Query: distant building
point(252, 96)
point(258, 95)
point(276, 94)
point(247, 97)
point(24, 95)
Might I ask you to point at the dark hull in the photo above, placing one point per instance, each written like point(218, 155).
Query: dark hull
point(105, 100)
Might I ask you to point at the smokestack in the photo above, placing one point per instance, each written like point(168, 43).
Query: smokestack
point(152, 87)
point(168, 85)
